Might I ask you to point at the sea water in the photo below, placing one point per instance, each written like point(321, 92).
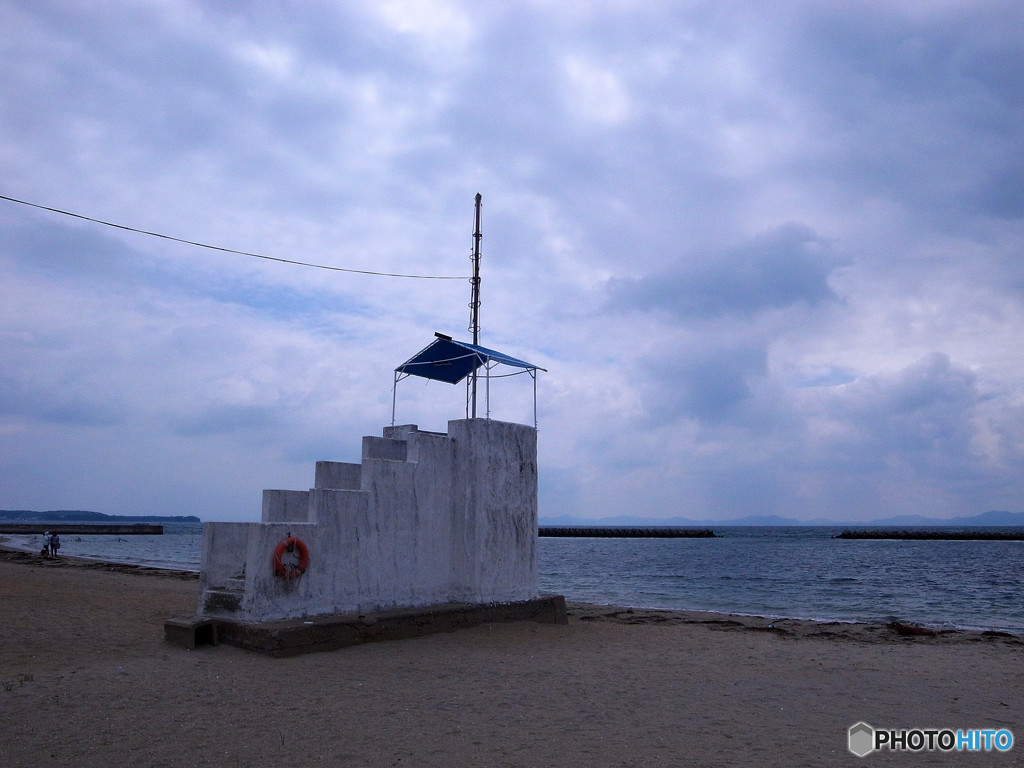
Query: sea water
point(798, 573)
point(179, 547)
point(774, 571)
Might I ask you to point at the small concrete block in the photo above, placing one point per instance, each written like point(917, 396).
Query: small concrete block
point(190, 631)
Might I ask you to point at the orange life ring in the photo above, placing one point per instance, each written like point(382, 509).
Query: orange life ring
point(290, 570)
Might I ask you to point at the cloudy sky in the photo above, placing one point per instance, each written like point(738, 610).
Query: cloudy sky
point(772, 255)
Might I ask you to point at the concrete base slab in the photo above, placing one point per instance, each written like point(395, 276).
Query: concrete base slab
point(328, 633)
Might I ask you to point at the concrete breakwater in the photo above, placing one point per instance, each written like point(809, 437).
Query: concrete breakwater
point(621, 532)
point(82, 528)
point(934, 535)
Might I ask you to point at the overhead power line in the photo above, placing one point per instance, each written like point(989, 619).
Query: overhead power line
point(230, 250)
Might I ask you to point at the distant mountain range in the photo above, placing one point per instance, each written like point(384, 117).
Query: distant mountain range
point(83, 516)
point(993, 518)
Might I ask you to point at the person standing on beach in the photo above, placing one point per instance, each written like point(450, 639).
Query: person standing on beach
point(54, 544)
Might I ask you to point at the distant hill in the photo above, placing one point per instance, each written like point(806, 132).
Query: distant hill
point(993, 518)
point(84, 516)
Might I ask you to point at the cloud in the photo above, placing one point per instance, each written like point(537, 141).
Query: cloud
point(917, 436)
point(919, 414)
point(776, 270)
point(769, 257)
point(1000, 194)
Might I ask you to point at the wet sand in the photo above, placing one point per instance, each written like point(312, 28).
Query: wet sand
point(88, 680)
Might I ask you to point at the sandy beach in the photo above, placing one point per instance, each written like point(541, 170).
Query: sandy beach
point(88, 680)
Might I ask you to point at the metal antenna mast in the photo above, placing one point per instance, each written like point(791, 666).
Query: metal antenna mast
point(474, 303)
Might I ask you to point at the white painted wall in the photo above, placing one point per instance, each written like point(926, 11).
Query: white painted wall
point(424, 519)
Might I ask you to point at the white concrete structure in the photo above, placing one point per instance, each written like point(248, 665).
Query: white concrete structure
point(425, 519)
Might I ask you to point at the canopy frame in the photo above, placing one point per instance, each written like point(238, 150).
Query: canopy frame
point(451, 361)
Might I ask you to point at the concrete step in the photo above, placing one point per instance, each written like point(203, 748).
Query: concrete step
point(190, 631)
point(337, 475)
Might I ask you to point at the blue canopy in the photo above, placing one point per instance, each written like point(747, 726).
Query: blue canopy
point(445, 359)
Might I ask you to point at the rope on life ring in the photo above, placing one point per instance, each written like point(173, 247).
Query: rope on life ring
point(291, 570)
